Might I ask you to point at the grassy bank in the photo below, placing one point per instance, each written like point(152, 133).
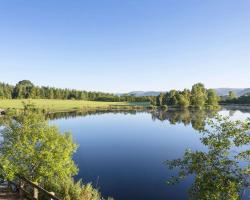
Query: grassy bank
point(55, 105)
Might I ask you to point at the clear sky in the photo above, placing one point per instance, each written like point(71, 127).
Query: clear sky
point(125, 45)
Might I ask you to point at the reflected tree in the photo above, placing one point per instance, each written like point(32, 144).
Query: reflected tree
point(197, 118)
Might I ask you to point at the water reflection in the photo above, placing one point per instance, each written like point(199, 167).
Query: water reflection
point(223, 171)
point(67, 115)
point(195, 117)
point(220, 172)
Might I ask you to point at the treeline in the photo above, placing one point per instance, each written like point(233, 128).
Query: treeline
point(233, 99)
point(6, 91)
point(27, 90)
point(198, 97)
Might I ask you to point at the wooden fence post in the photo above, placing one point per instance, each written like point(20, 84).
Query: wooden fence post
point(21, 186)
point(35, 195)
point(53, 193)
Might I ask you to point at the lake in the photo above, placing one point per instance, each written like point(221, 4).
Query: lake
point(124, 153)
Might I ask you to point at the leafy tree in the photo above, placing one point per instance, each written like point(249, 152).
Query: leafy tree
point(199, 96)
point(212, 99)
point(35, 150)
point(32, 93)
point(153, 101)
point(1, 93)
point(171, 98)
point(5, 91)
point(161, 100)
point(22, 89)
point(183, 101)
point(218, 174)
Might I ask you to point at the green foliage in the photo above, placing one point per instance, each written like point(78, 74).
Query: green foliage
point(6, 91)
point(161, 100)
point(183, 101)
point(35, 150)
point(26, 90)
point(171, 98)
point(199, 98)
point(23, 89)
point(71, 190)
point(153, 101)
point(218, 174)
point(212, 99)
point(240, 100)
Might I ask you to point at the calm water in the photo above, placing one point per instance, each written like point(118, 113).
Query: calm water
point(123, 154)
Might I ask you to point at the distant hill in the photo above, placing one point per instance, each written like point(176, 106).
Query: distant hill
point(220, 92)
point(143, 93)
point(244, 91)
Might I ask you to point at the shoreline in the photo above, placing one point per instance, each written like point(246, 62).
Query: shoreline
point(53, 106)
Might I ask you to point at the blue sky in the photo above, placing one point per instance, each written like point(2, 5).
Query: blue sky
point(121, 46)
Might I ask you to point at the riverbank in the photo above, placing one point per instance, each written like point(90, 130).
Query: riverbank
point(56, 105)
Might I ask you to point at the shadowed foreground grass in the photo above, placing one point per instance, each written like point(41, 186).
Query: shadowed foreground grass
point(56, 105)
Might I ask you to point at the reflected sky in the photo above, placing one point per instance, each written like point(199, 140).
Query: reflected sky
point(123, 153)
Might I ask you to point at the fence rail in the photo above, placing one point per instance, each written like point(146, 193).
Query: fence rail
point(30, 190)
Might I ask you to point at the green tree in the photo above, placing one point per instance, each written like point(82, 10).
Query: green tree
point(161, 100)
point(32, 94)
point(22, 89)
point(183, 101)
point(199, 96)
point(1, 93)
point(6, 91)
point(153, 101)
point(212, 99)
point(36, 150)
point(171, 98)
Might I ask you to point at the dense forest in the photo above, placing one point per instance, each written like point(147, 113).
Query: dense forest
point(198, 97)
point(27, 90)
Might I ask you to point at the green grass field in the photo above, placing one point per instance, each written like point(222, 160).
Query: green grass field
point(54, 105)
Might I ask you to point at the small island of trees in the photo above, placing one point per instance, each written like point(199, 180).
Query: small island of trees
point(199, 97)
